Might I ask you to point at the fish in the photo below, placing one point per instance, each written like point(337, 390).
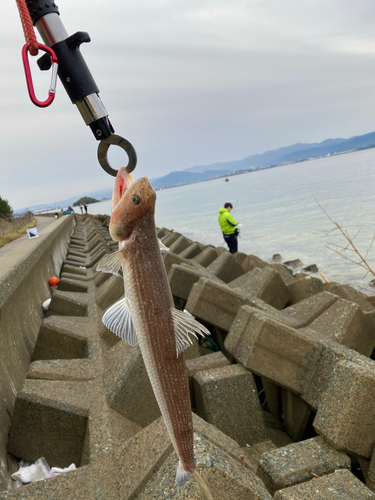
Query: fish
point(147, 316)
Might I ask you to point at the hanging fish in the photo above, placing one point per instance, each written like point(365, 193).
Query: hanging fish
point(147, 316)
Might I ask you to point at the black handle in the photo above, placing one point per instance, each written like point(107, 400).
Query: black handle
point(39, 8)
point(73, 71)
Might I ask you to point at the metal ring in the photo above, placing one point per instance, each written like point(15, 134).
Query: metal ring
point(116, 140)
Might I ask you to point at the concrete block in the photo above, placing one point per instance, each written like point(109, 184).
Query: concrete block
point(153, 476)
point(213, 303)
point(203, 363)
point(340, 485)
point(180, 244)
point(296, 463)
point(110, 291)
point(253, 453)
point(285, 273)
point(349, 293)
point(183, 277)
point(306, 311)
point(264, 283)
point(303, 288)
point(346, 323)
point(59, 342)
point(294, 264)
point(300, 275)
point(193, 351)
point(312, 268)
point(252, 261)
point(220, 250)
point(226, 267)
point(331, 354)
point(127, 386)
point(370, 476)
point(100, 278)
point(170, 238)
point(68, 304)
point(74, 270)
point(296, 415)
point(345, 417)
point(50, 420)
point(240, 257)
point(192, 251)
point(273, 350)
point(205, 257)
point(171, 258)
point(273, 398)
point(64, 369)
point(71, 285)
point(227, 398)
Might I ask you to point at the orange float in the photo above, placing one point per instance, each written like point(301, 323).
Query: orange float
point(54, 281)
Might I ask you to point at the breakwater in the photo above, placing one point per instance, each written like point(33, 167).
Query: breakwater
point(24, 274)
point(283, 409)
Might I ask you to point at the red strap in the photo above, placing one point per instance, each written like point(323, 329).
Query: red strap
point(28, 27)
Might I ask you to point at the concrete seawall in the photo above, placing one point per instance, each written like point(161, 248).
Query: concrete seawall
point(282, 391)
point(24, 274)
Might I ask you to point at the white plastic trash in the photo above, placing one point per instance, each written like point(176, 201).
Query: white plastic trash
point(46, 304)
point(56, 471)
point(34, 472)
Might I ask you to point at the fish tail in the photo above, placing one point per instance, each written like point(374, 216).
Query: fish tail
point(181, 475)
point(203, 485)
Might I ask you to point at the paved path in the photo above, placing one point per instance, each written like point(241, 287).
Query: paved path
point(41, 223)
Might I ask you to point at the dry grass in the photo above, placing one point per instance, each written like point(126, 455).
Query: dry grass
point(15, 227)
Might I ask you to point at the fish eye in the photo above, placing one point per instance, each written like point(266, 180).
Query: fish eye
point(135, 199)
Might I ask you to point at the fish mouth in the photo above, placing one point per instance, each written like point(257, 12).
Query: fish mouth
point(122, 184)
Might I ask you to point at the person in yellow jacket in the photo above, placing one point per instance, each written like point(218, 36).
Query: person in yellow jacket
point(228, 227)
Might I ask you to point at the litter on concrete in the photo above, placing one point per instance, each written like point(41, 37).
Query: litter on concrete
point(31, 473)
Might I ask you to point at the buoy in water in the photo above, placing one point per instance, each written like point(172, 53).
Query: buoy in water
point(54, 281)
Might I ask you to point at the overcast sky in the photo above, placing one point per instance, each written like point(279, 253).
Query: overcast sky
point(187, 82)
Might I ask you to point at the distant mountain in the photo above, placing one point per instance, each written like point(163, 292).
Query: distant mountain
point(288, 154)
point(183, 177)
point(99, 195)
point(265, 159)
point(357, 142)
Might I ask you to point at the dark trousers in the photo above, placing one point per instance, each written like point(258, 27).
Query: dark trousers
point(231, 241)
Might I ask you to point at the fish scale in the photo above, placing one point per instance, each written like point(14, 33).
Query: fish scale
point(150, 307)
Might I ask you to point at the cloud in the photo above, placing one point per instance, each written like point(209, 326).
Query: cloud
point(187, 83)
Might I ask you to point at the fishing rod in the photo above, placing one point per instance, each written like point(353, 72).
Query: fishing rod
point(74, 74)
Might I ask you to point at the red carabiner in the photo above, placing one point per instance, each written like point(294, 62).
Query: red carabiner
point(29, 79)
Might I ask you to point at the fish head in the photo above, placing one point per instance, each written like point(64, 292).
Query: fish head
point(131, 202)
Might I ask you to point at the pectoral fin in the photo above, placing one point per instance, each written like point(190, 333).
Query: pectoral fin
point(111, 263)
point(183, 325)
point(118, 318)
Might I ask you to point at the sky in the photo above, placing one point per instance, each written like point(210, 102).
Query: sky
point(187, 82)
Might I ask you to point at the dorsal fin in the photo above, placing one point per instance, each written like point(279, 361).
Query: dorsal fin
point(111, 263)
point(183, 325)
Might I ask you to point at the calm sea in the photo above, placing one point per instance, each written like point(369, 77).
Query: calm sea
point(279, 213)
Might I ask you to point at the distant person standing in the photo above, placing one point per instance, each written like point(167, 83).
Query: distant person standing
point(85, 207)
point(228, 227)
point(81, 207)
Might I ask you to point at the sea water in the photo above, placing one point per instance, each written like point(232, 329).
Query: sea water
point(279, 212)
